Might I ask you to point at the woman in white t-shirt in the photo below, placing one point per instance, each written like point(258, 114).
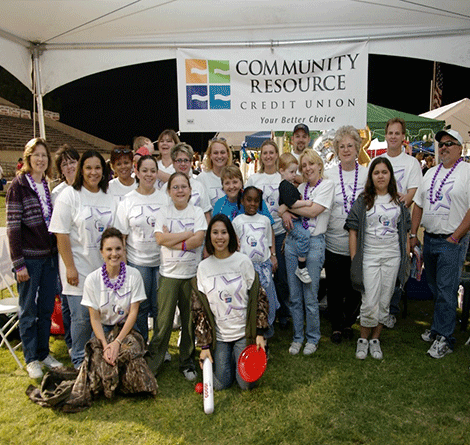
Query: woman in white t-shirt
point(179, 230)
point(378, 225)
point(124, 182)
point(217, 156)
point(112, 293)
point(81, 214)
point(135, 218)
point(229, 306)
point(165, 142)
point(315, 217)
point(268, 179)
point(349, 178)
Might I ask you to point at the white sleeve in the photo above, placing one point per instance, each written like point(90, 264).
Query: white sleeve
point(160, 220)
point(122, 221)
point(89, 291)
point(416, 175)
point(248, 271)
point(325, 194)
point(138, 289)
point(62, 215)
point(200, 221)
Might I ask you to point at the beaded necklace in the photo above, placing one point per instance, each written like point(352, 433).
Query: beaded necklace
point(121, 277)
point(46, 215)
point(433, 181)
point(304, 219)
point(343, 190)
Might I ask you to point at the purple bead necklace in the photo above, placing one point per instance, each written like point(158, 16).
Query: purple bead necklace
point(343, 189)
point(304, 219)
point(46, 215)
point(433, 181)
point(121, 277)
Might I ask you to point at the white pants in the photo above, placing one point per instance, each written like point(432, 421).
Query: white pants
point(380, 276)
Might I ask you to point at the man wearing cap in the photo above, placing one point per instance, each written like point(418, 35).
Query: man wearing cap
point(442, 206)
point(300, 141)
point(408, 175)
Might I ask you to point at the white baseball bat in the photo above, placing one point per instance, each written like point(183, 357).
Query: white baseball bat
point(208, 388)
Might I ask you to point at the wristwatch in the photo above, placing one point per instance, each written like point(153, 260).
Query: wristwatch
point(412, 235)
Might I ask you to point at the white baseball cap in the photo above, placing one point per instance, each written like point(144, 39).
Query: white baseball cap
point(452, 133)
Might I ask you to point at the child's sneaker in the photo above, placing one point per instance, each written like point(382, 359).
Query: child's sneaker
point(302, 275)
point(374, 348)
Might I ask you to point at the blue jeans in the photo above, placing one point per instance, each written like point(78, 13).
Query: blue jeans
point(36, 299)
point(301, 238)
point(305, 295)
point(147, 307)
point(265, 272)
point(443, 263)
point(226, 364)
point(80, 328)
point(280, 280)
point(65, 315)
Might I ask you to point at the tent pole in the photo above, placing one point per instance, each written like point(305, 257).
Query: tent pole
point(37, 80)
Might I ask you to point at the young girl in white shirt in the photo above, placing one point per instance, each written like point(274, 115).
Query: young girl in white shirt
point(256, 241)
point(179, 230)
point(378, 224)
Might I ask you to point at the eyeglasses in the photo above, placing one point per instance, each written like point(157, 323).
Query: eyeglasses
point(179, 187)
point(123, 151)
point(70, 163)
point(182, 161)
point(219, 139)
point(446, 144)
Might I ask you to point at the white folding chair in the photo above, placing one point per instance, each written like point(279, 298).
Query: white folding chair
point(11, 307)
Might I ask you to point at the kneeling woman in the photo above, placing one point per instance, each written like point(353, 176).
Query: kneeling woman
point(112, 294)
point(230, 308)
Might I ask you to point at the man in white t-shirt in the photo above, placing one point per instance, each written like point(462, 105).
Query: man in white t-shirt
point(442, 206)
point(408, 175)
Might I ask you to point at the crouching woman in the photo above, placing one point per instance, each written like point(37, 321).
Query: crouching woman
point(230, 308)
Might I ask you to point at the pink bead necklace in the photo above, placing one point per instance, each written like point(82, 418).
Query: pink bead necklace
point(433, 182)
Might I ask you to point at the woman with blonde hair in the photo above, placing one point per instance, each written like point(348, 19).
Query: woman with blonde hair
point(165, 143)
point(218, 155)
point(33, 252)
point(321, 192)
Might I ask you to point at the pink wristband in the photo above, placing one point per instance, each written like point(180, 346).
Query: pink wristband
point(456, 241)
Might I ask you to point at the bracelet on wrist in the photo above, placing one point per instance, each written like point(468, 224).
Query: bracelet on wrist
point(413, 235)
point(119, 341)
point(205, 347)
point(183, 246)
point(456, 241)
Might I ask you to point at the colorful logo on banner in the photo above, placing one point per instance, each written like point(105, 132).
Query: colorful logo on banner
point(207, 84)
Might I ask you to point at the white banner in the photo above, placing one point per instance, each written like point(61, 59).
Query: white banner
point(249, 89)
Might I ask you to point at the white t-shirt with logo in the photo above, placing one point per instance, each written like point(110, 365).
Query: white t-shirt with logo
point(176, 263)
point(135, 218)
point(447, 213)
point(226, 282)
point(255, 235)
point(407, 171)
point(269, 184)
point(84, 216)
point(337, 238)
point(381, 234)
point(213, 185)
point(322, 194)
point(114, 306)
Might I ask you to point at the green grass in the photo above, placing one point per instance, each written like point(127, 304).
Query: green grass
point(327, 398)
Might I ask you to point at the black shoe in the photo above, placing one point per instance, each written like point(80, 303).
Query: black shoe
point(336, 337)
point(348, 333)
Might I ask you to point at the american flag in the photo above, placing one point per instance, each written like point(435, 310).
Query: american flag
point(438, 81)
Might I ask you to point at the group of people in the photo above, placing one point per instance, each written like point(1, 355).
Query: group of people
point(231, 256)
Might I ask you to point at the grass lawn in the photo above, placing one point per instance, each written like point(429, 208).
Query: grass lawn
point(327, 398)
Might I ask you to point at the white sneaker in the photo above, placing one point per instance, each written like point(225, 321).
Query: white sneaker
point(426, 336)
point(390, 321)
point(34, 370)
point(51, 362)
point(310, 348)
point(167, 357)
point(362, 348)
point(190, 375)
point(439, 348)
point(375, 350)
point(295, 348)
point(302, 275)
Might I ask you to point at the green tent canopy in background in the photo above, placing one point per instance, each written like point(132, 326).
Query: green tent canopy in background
point(377, 117)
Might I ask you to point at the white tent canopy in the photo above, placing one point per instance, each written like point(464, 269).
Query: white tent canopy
point(77, 38)
point(456, 114)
